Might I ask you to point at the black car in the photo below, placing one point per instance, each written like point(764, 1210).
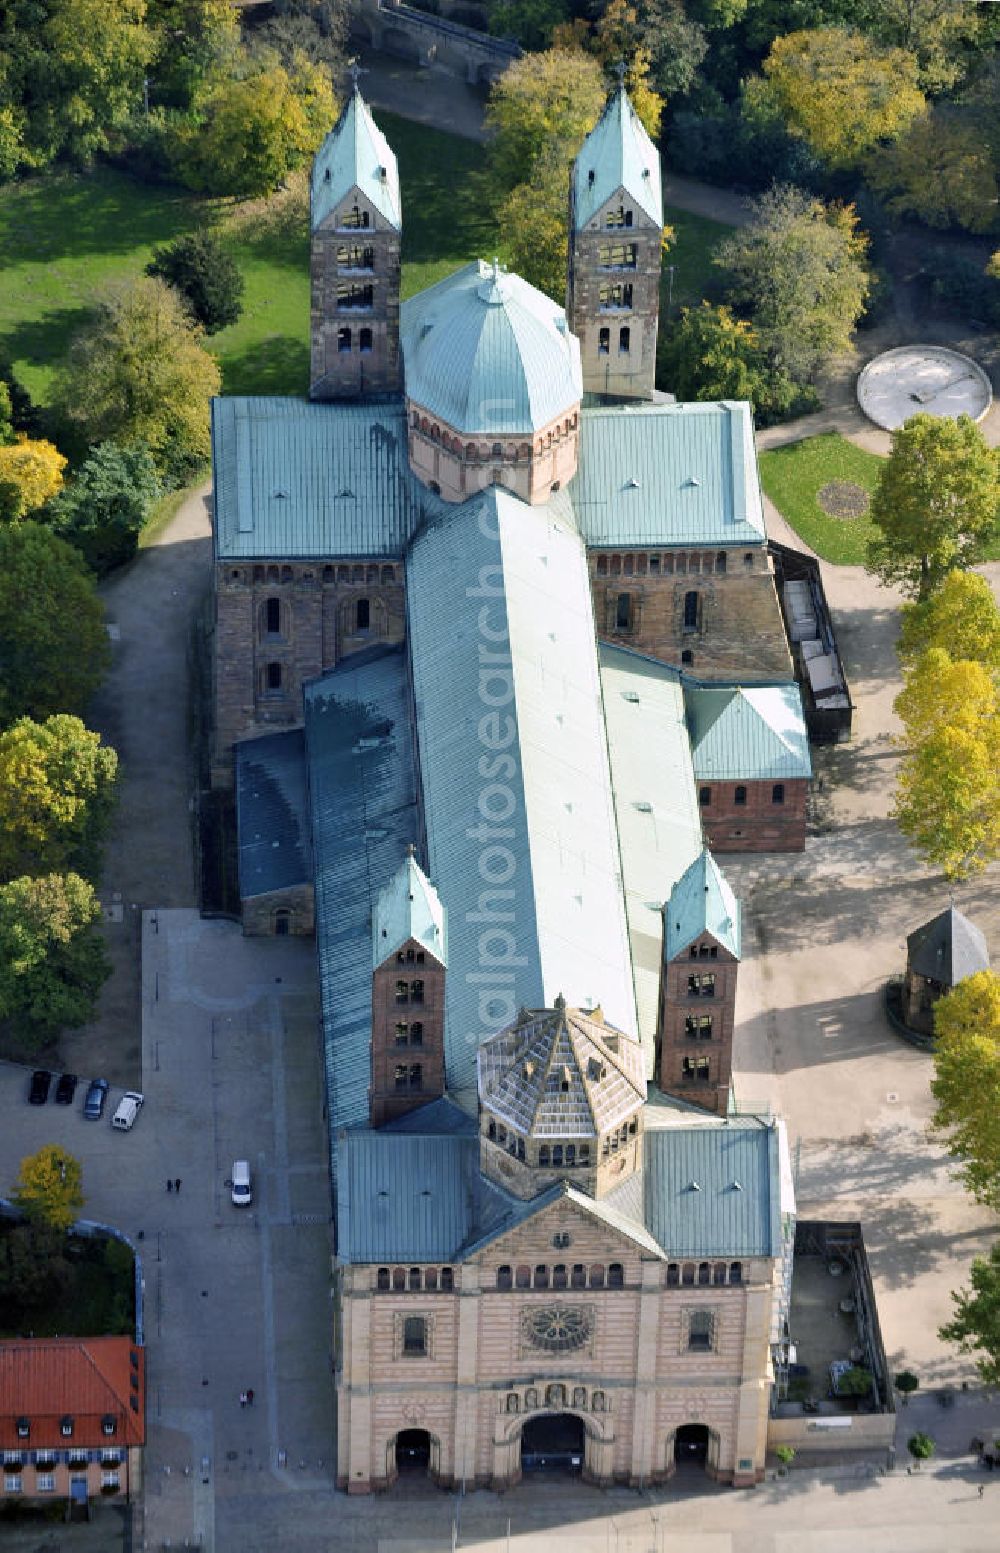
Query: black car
point(66, 1089)
point(39, 1091)
point(97, 1093)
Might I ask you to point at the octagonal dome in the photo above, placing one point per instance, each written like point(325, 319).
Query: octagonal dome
point(487, 353)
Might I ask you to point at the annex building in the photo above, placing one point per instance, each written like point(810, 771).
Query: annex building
point(499, 664)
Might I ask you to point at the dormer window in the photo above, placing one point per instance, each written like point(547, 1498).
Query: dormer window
point(66, 1428)
point(23, 1428)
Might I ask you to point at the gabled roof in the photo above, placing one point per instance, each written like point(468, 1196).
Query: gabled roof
point(272, 821)
point(83, 1378)
point(409, 908)
point(617, 154)
point(355, 155)
point(561, 1073)
point(488, 353)
point(602, 1209)
point(701, 902)
point(947, 949)
point(715, 1191)
point(747, 732)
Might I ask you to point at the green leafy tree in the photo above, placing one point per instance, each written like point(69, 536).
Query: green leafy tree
point(797, 268)
point(249, 132)
point(906, 1384)
point(534, 217)
point(317, 29)
point(542, 101)
point(6, 416)
point(103, 512)
point(57, 783)
point(52, 964)
point(966, 1082)
point(139, 374)
point(206, 276)
point(961, 616)
point(947, 788)
point(49, 1188)
point(71, 73)
point(675, 40)
point(941, 170)
point(838, 91)
point(936, 503)
point(921, 1447)
point(975, 1326)
point(943, 35)
point(531, 22)
point(53, 642)
point(711, 354)
point(192, 39)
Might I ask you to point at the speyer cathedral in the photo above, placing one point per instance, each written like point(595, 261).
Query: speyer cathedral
point(499, 667)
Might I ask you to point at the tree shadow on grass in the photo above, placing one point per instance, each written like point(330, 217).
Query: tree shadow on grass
point(276, 365)
point(44, 341)
point(67, 215)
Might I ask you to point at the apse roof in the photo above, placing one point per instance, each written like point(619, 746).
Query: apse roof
point(561, 1073)
point(747, 732)
point(485, 352)
point(409, 908)
point(617, 154)
point(355, 155)
point(947, 949)
point(701, 902)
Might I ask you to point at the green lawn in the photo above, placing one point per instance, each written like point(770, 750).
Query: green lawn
point(793, 475)
point(690, 254)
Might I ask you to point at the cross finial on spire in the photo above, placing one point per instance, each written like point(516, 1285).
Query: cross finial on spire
point(621, 70)
point(411, 850)
point(356, 70)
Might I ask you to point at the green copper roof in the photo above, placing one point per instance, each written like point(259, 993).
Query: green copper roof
point(747, 733)
point(701, 902)
point(409, 907)
point(355, 155)
point(486, 352)
point(617, 155)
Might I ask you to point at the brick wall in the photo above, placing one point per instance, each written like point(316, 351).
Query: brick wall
point(686, 1044)
point(757, 824)
point(597, 321)
point(732, 629)
point(337, 373)
point(263, 913)
point(388, 1055)
point(258, 671)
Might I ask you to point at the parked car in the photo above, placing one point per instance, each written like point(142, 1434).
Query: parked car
point(38, 1093)
point(242, 1190)
point(66, 1089)
point(97, 1093)
point(129, 1107)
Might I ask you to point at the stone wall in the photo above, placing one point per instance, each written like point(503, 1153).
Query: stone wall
point(714, 612)
point(613, 299)
point(457, 465)
point(692, 1064)
point(354, 349)
point(263, 915)
point(387, 1098)
point(633, 1380)
point(757, 823)
point(259, 671)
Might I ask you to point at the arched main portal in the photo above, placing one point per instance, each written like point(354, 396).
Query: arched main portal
point(553, 1442)
point(413, 1451)
point(695, 1448)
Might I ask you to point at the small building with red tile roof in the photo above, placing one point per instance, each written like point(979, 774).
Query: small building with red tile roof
point(72, 1416)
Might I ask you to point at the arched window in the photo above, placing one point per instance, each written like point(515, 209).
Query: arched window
point(399, 1075)
point(584, 1153)
point(416, 992)
point(704, 1273)
point(541, 1276)
point(557, 1155)
point(416, 1076)
point(399, 1277)
point(414, 1278)
point(778, 792)
point(447, 1279)
point(272, 617)
point(362, 615)
point(571, 1153)
point(578, 1277)
point(687, 1273)
point(505, 1277)
point(414, 1336)
point(691, 610)
point(624, 613)
point(382, 1278)
point(273, 676)
point(719, 1272)
point(282, 922)
point(603, 341)
point(491, 1132)
point(522, 1277)
point(559, 1279)
point(597, 1403)
point(740, 795)
point(700, 1331)
point(543, 1155)
point(416, 1033)
point(365, 341)
point(673, 1275)
point(513, 1402)
point(616, 1276)
point(624, 341)
point(344, 341)
point(736, 1272)
point(402, 991)
point(431, 1278)
point(579, 1396)
point(597, 1276)
point(720, 562)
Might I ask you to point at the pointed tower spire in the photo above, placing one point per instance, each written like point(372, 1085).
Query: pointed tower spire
point(356, 222)
point(409, 960)
point(616, 231)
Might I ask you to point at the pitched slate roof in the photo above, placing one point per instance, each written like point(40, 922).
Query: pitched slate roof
point(519, 573)
point(617, 154)
point(409, 908)
point(561, 1074)
point(355, 155)
point(701, 902)
point(947, 949)
point(486, 353)
point(714, 1191)
point(363, 802)
point(673, 474)
point(747, 732)
point(84, 1378)
point(272, 821)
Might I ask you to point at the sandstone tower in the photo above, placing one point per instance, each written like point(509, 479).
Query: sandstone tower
point(409, 953)
point(701, 955)
point(616, 231)
point(355, 223)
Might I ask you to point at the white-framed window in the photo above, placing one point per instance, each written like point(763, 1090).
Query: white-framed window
point(12, 1482)
point(110, 1480)
point(111, 1456)
point(12, 1458)
point(45, 1482)
point(45, 1459)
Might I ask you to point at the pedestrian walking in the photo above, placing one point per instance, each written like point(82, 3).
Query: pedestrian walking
point(177, 1184)
point(243, 1399)
point(250, 1398)
point(982, 1489)
point(170, 1186)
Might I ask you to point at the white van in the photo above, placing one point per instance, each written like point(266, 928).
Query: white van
point(242, 1194)
point(129, 1107)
